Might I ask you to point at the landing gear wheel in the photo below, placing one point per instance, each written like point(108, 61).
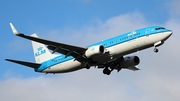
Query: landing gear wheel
point(107, 71)
point(88, 67)
point(156, 50)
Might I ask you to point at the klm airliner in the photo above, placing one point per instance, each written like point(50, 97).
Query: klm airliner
point(110, 54)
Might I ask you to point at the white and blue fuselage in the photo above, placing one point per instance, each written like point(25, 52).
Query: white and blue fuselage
point(115, 47)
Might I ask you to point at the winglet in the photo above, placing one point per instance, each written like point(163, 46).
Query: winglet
point(14, 29)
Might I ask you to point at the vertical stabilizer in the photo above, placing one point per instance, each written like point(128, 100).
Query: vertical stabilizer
point(41, 53)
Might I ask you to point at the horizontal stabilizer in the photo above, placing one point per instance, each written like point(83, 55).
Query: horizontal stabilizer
point(29, 64)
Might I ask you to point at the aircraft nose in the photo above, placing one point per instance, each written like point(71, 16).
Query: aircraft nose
point(167, 34)
point(170, 33)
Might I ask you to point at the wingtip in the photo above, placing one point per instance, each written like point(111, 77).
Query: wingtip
point(7, 59)
point(14, 29)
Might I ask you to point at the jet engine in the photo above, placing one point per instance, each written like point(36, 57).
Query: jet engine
point(130, 61)
point(94, 51)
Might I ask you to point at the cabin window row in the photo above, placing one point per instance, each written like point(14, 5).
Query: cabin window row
point(121, 39)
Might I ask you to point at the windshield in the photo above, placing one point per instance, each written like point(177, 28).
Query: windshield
point(159, 28)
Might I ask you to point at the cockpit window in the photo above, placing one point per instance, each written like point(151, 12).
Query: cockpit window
point(160, 28)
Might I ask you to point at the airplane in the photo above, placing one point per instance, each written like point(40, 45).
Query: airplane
point(109, 55)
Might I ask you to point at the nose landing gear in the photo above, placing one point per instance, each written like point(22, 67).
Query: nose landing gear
point(156, 50)
point(156, 45)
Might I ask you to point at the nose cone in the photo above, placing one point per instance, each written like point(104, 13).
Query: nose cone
point(170, 33)
point(167, 34)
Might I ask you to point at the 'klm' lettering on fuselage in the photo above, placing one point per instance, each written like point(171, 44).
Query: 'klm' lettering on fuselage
point(40, 51)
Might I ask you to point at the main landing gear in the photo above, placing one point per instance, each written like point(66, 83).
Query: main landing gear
point(107, 71)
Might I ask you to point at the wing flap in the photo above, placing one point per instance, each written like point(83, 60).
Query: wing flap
point(52, 43)
point(66, 49)
point(29, 64)
point(63, 51)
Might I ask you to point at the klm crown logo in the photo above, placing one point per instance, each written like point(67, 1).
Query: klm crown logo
point(40, 51)
point(40, 48)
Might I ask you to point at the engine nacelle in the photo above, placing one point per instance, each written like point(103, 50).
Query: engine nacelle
point(94, 51)
point(130, 61)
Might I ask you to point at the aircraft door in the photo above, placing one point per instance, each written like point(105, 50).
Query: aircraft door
point(147, 32)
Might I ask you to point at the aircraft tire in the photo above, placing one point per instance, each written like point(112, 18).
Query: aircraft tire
point(106, 71)
point(156, 50)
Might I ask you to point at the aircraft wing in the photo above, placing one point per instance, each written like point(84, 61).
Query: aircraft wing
point(68, 50)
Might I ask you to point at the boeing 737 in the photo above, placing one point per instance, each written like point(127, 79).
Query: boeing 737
point(110, 54)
